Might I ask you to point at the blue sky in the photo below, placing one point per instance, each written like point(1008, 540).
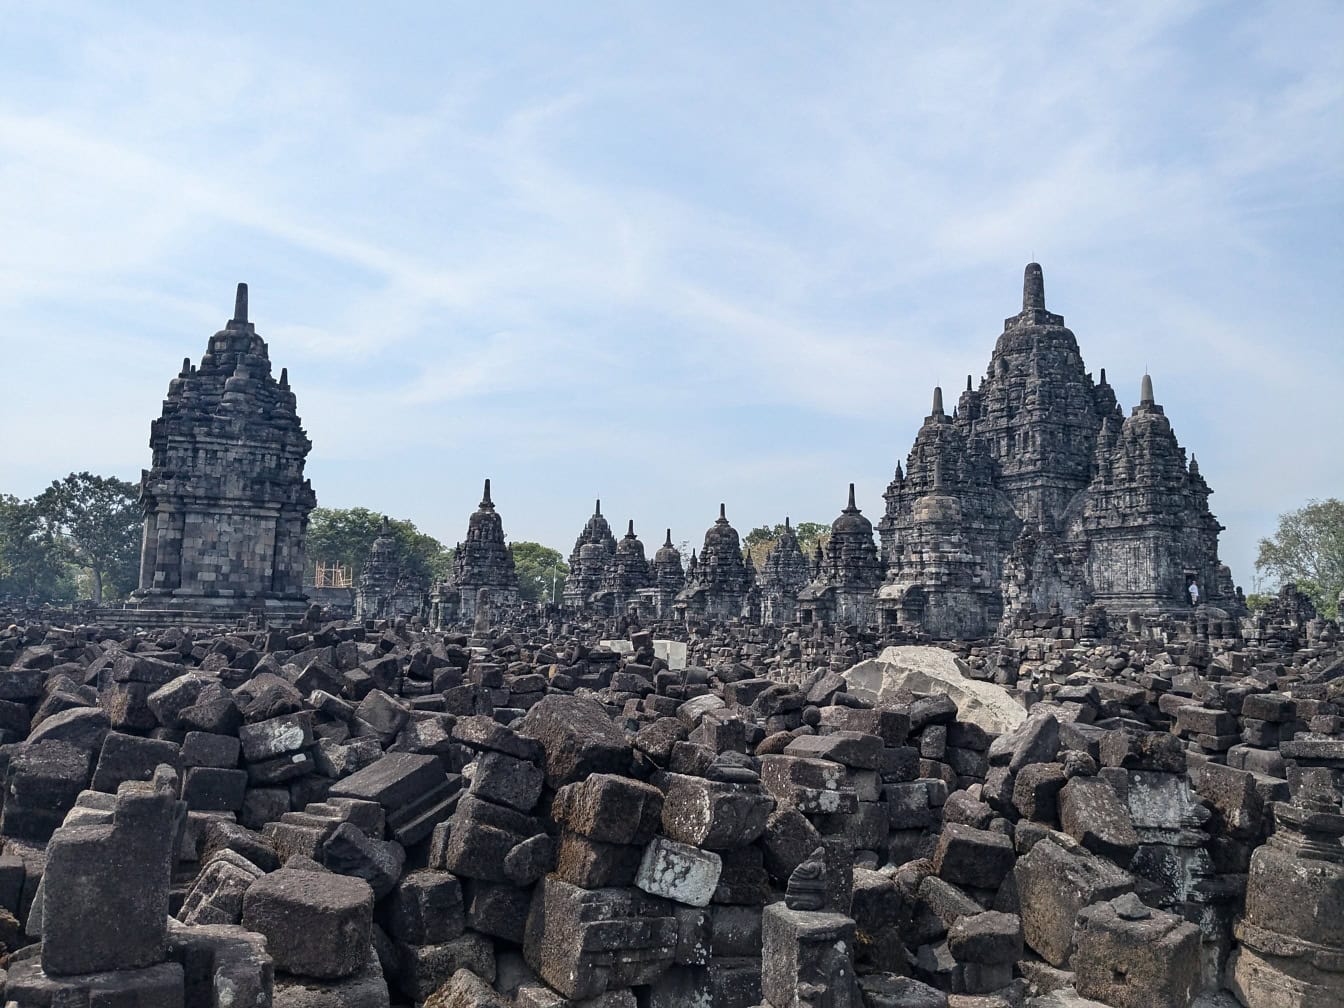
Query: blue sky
point(669, 254)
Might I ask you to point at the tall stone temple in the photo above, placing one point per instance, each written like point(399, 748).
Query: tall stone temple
point(1037, 492)
point(483, 569)
point(225, 501)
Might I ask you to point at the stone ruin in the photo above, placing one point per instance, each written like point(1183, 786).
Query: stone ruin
point(226, 504)
point(1036, 493)
point(776, 794)
point(384, 590)
point(482, 561)
point(376, 814)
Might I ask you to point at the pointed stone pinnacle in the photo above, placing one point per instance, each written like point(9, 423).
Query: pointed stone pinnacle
point(240, 305)
point(1033, 287)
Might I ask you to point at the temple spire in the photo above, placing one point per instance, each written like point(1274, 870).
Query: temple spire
point(1033, 287)
point(1146, 391)
point(240, 305)
point(968, 383)
point(937, 400)
point(723, 513)
point(630, 529)
point(485, 498)
point(851, 506)
point(668, 540)
point(786, 523)
point(284, 377)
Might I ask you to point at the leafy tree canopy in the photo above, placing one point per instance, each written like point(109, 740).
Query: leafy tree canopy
point(345, 536)
point(32, 565)
point(537, 565)
point(1308, 548)
point(96, 521)
point(759, 541)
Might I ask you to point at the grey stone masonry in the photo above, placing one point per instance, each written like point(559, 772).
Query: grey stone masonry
point(718, 583)
point(589, 561)
point(225, 501)
point(783, 575)
point(1036, 494)
point(384, 591)
point(844, 589)
point(483, 560)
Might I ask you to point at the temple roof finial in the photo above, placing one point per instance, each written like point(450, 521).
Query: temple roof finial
point(485, 497)
point(668, 540)
point(1033, 287)
point(1146, 391)
point(968, 383)
point(630, 529)
point(723, 513)
point(240, 305)
point(786, 523)
point(597, 507)
point(937, 400)
point(851, 506)
point(1103, 376)
point(284, 377)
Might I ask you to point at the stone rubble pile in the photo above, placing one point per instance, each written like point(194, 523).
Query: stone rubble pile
point(362, 815)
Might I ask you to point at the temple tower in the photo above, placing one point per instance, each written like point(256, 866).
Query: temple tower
point(384, 590)
point(483, 560)
point(588, 562)
point(718, 584)
point(783, 575)
point(225, 501)
point(844, 592)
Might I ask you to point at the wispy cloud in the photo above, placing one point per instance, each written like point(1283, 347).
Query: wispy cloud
point(692, 255)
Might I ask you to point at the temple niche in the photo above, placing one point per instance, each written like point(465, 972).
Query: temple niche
point(225, 501)
point(843, 589)
point(482, 561)
point(1037, 493)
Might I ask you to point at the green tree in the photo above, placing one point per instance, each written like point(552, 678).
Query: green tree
point(539, 567)
point(96, 521)
point(345, 536)
point(1308, 548)
point(32, 566)
point(759, 541)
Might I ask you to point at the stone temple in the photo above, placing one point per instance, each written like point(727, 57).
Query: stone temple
point(1038, 493)
point(225, 501)
point(483, 569)
point(1035, 496)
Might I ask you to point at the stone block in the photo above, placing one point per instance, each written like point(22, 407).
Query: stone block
point(131, 758)
point(1092, 814)
point(713, 815)
point(805, 956)
point(507, 780)
point(584, 942)
point(679, 872)
point(978, 859)
point(105, 888)
point(1054, 882)
point(578, 737)
point(426, 908)
point(316, 924)
point(1131, 956)
point(609, 809)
